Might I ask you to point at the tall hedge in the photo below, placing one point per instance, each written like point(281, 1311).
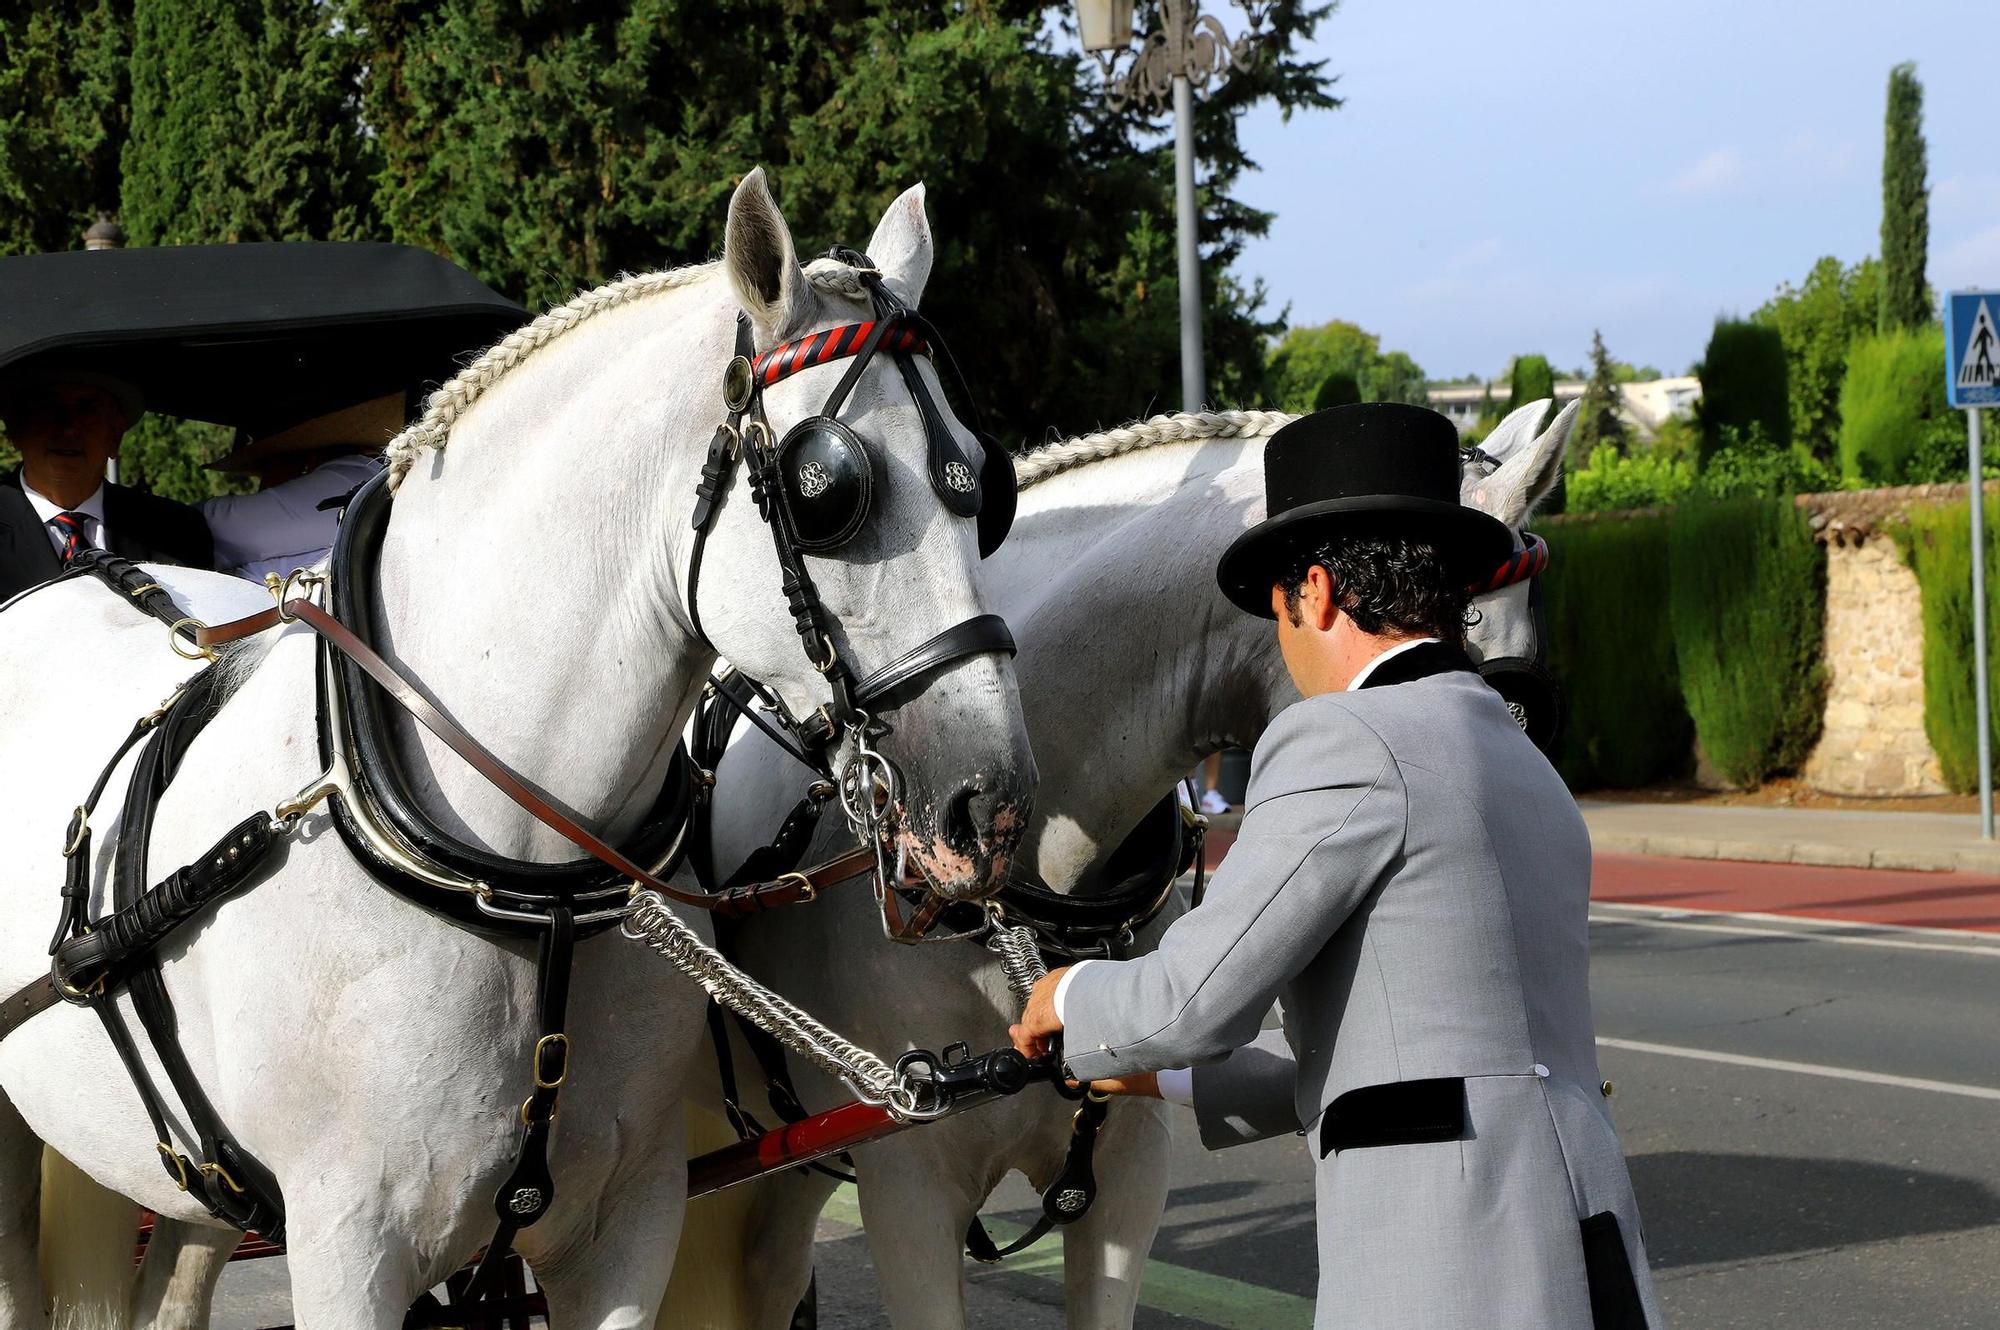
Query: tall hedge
point(1748, 602)
point(1743, 384)
point(1533, 380)
point(1611, 646)
point(1893, 408)
point(1937, 543)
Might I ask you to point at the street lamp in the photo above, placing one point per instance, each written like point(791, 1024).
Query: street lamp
point(1189, 50)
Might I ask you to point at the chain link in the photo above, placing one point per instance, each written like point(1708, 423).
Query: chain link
point(652, 922)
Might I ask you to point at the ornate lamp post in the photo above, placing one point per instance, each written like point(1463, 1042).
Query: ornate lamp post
point(1188, 51)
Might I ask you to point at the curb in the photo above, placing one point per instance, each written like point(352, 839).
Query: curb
point(1943, 859)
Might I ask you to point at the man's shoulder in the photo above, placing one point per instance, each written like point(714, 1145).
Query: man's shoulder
point(1314, 743)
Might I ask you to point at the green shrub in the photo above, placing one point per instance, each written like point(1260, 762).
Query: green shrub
point(1748, 463)
point(1613, 481)
point(1892, 406)
point(1743, 383)
point(1937, 544)
point(1748, 603)
point(1612, 649)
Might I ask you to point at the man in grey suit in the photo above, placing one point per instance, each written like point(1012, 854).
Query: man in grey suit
point(1410, 884)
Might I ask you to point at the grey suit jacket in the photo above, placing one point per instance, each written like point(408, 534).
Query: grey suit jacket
point(1411, 883)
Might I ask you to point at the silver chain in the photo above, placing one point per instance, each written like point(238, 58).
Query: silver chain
point(652, 922)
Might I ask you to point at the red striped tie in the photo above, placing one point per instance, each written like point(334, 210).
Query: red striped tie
point(71, 525)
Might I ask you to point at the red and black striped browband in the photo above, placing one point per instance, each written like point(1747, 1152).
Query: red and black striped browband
point(1529, 562)
point(788, 358)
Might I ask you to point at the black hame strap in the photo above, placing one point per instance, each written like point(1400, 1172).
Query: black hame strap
point(1066, 1200)
point(530, 1188)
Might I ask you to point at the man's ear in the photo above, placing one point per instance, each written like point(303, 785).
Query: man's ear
point(1316, 598)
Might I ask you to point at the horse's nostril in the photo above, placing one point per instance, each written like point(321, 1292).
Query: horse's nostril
point(971, 812)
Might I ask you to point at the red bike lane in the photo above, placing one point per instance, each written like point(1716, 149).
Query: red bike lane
point(1851, 895)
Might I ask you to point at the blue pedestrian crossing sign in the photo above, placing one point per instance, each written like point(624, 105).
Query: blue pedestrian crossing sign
point(1972, 348)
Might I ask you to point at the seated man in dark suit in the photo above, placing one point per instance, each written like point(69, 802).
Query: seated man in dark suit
point(67, 426)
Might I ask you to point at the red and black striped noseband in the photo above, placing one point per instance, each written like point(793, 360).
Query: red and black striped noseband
point(788, 358)
point(1529, 562)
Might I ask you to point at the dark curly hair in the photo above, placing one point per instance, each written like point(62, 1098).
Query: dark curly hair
point(1386, 583)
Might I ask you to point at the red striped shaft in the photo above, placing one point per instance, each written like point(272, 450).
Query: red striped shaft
point(801, 1142)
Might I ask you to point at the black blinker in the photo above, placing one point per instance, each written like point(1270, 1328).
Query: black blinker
point(826, 481)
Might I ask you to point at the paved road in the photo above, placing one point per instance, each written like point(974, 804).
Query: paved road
point(1774, 1196)
point(1812, 1111)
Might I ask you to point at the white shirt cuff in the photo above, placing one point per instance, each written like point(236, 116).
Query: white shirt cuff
point(1177, 1085)
point(1062, 987)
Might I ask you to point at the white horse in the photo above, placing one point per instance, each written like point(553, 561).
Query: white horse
point(534, 577)
point(1132, 668)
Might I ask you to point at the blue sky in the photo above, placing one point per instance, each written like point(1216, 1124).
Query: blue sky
point(1506, 176)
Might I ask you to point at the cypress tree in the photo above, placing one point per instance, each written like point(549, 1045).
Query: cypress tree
point(243, 125)
point(1336, 389)
point(1906, 225)
point(1743, 387)
point(63, 88)
point(1533, 380)
point(1598, 421)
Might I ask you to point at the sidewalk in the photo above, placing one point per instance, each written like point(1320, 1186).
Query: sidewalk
point(1927, 842)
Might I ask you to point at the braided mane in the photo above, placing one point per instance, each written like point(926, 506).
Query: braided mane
point(1179, 427)
point(444, 407)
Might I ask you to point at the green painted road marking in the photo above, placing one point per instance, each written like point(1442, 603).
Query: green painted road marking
point(1217, 1300)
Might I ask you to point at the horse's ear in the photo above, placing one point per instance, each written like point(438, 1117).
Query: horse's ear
point(901, 246)
point(757, 252)
point(1530, 470)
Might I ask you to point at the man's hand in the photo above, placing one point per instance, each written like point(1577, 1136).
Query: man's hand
point(1144, 1083)
point(1039, 1024)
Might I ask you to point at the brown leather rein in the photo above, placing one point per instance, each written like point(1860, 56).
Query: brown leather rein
point(750, 898)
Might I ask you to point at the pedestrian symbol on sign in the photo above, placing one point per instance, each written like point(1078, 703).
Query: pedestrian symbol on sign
point(1980, 367)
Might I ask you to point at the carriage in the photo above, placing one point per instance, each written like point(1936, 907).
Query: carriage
point(907, 724)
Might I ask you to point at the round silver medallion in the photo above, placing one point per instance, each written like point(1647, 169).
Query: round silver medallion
point(959, 476)
point(1070, 1200)
point(525, 1201)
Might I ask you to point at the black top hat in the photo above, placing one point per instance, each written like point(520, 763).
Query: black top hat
point(1382, 467)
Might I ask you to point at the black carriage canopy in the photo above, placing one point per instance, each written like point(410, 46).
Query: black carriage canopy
point(258, 336)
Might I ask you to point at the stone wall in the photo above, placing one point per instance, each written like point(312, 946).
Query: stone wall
point(1874, 741)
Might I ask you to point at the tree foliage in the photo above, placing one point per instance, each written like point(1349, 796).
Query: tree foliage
point(1906, 222)
point(1599, 423)
point(547, 147)
point(1937, 544)
point(1337, 389)
point(1743, 384)
point(1307, 357)
point(63, 93)
point(243, 125)
point(1817, 323)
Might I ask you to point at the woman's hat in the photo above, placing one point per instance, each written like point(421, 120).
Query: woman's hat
point(1385, 468)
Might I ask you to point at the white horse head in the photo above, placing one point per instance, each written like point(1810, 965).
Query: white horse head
point(1506, 641)
point(909, 573)
point(578, 473)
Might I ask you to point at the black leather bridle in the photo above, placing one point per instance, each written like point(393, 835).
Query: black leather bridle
point(821, 461)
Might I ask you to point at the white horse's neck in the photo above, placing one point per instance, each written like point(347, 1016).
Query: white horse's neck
point(1136, 665)
point(531, 572)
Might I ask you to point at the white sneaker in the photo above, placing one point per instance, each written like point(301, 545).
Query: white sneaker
point(1212, 802)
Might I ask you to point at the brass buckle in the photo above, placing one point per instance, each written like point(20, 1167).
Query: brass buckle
point(213, 1170)
point(173, 1157)
point(173, 640)
point(808, 893)
point(527, 1121)
point(550, 1041)
point(832, 656)
point(75, 994)
point(82, 822)
point(137, 592)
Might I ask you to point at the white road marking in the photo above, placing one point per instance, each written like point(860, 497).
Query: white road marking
point(1846, 932)
point(1804, 1068)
